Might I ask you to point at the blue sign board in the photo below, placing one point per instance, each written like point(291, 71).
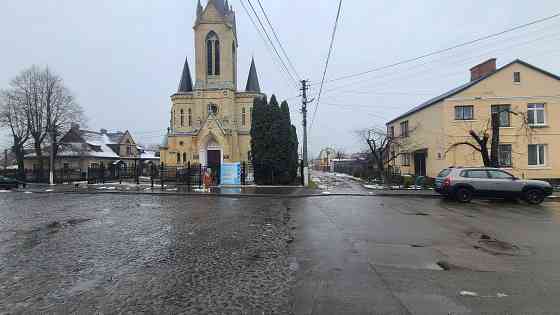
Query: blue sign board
point(230, 174)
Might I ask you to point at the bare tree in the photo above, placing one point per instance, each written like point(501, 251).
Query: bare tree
point(49, 106)
point(486, 141)
point(13, 118)
point(382, 149)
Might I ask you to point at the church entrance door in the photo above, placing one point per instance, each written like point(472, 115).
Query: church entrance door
point(214, 161)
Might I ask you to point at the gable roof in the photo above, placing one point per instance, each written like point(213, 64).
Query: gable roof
point(463, 87)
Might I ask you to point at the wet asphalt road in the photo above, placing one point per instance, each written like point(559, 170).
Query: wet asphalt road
point(323, 255)
point(132, 254)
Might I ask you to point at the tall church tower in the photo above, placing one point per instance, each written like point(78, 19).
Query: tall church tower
point(215, 46)
point(210, 120)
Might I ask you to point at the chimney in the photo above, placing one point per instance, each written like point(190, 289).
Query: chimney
point(483, 69)
point(103, 131)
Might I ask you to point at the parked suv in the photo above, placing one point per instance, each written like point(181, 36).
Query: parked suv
point(463, 184)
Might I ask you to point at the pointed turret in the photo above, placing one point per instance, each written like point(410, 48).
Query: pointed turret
point(253, 80)
point(199, 9)
point(220, 6)
point(186, 82)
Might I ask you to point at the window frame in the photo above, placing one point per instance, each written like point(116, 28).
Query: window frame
point(243, 116)
point(212, 54)
point(462, 108)
point(532, 111)
point(405, 159)
point(538, 155)
point(405, 131)
point(189, 117)
point(517, 77)
point(182, 119)
point(500, 112)
point(506, 165)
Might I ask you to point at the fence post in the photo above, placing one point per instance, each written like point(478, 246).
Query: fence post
point(161, 176)
point(137, 169)
point(188, 179)
point(243, 173)
point(152, 174)
point(200, 175)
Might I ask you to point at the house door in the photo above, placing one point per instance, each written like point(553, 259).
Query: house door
point(420, 163)
point(214, 161)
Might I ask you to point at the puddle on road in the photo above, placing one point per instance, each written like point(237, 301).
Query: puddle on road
point(36, 236)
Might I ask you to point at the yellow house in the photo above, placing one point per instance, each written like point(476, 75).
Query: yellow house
point(210, 120)
point(528, 101)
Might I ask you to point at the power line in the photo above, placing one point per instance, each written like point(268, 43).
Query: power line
point(461, 62)
point(271, 42)
point(267, 45)
point(327, 63)
point(278, 40)
point(446, 49)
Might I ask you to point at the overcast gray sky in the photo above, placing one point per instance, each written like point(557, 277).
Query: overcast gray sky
point(123, 58)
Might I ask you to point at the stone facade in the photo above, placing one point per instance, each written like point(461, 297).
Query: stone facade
point(210, 120)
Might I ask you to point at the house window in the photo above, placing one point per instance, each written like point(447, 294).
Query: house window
point(212, 109)
point(182, 118)
point(405, 159)
point(517, 77)
point(404, 129)
point(243, 116)
point(184, 157)
point(213, 54)
point(190, 117)
point(537, 154)
point(464, 112)
point(392, 132)
point(536, 115)
point(504, 111)
point(178, 158)
point(504, 154)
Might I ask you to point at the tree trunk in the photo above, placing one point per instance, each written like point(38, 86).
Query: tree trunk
point(39, 155)
point(494, 148)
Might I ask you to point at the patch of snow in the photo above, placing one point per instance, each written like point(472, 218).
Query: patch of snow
point(326, 192)
point(5, 191)
point(28, 192)
point(376, 187)
point(468, 293)
point(49, 190)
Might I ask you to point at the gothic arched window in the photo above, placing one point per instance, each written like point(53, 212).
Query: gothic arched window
point(213, 54)
point(190, 117)
point(243, 116)
point(182, 118)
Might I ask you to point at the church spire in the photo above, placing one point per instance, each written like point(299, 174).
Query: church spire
point(199, 9)
point(186, 82)
point(253, 80)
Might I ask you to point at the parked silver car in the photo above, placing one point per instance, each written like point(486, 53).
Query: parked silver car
point(462, 184)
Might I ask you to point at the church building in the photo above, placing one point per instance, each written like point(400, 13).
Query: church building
point(210, 119)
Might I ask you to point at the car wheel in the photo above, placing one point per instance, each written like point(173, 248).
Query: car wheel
point(463, 195)
point(534, 196)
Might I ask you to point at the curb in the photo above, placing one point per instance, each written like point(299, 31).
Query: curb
point(274, 196)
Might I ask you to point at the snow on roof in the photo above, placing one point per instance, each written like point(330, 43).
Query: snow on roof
point(149, 155)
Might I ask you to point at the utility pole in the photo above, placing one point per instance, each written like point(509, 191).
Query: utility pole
point(5, 159)
point(304, 102)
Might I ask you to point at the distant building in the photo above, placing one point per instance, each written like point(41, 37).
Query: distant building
point(82, 149)
point(211, 120)
point(527, 99)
